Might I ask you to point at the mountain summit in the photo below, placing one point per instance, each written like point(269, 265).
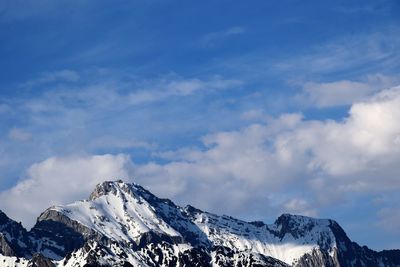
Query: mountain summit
point(123, 224)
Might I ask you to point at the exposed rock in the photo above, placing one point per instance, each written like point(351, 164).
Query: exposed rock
point(5, 248)
point(126, 225)
point(317, 258)
point(38, 260)
point(65, 234)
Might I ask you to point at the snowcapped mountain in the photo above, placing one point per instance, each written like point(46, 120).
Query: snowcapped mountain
point(123, 224)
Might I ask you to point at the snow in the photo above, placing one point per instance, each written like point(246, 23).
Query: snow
point(12, 261)
point(120, 216)
point(79, 257)
point(243, 236)
point(125, 212)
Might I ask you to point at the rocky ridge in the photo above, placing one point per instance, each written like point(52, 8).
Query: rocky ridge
point(123, 224)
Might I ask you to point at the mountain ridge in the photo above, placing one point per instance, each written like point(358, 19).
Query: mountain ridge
point(123, 224)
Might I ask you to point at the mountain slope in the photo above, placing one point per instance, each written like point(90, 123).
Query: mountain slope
point(14, 239)
point(125, 225)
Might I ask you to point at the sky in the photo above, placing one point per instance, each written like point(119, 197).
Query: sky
point(250, 109)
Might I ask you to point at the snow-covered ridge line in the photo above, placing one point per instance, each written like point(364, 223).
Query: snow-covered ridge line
point(123, 224)
point(119, 213)
point(125, 212)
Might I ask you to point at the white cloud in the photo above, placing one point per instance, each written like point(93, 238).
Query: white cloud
point(95, 111)
point(279, 164)
point(60, 181)
point(336, 93)
point(344, 92)
point(284, 164)
point(369, 133)
point(263, 167)
point(237, 170)
point(300, 206)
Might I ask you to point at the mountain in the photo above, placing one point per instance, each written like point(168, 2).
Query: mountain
point(123, 224)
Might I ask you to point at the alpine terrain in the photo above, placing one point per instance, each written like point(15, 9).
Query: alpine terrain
point(123, 224)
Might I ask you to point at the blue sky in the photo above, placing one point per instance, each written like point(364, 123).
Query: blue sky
point(249, 109)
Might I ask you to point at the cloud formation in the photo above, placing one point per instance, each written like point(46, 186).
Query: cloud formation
point(171, 88)
point(275, 165)
point(351, 53)
point(97, 111)
point(253, 167)
point(282, 164)
point(343, 92)
point(49, 77)
point(212, 38)
point(60, 181)
point(19, 135)
point(249, 82)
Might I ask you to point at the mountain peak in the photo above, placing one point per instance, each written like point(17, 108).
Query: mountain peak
point(298, 225)
point(105, 188)
point(124, 223)
point(294, 220)
point(116, 187)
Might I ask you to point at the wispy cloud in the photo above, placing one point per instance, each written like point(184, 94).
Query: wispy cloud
point(213, 38)
point(51, 77)
point(344, 92)
point(110, 142)
point(66, 112)
point(171, 88)
point(355, 53)
point(258, 166)
point(19, 135)
point(377, 7)
point(101, 89)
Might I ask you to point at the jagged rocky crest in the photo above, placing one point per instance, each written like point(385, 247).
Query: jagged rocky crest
point(123, 224)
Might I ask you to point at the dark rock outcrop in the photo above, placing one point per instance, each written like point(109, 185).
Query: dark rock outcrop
point(38, 260)
point(5, 248)
point(14, 239)
point(65, 234)
point(142, 228)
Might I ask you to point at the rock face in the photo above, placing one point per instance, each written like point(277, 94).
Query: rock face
point(14, 239)
point(38, 260)
point(5, 248)
point(125, 225)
